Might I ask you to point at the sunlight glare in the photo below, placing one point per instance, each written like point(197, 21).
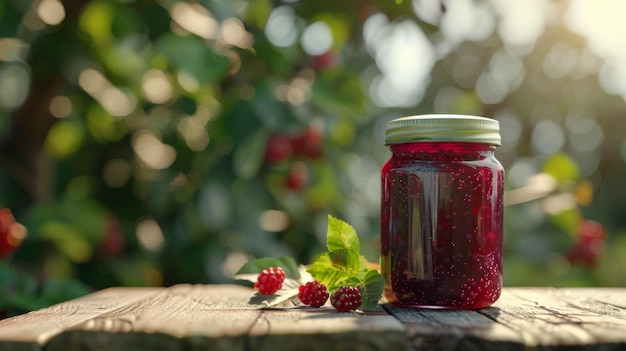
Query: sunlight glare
point(152, 151)
point(405, 58)
point(51, 12)
point(149, 235)
point(281, 29)
point(194, 18)
point(317, 39)
point(156, 87)
point(60, 106)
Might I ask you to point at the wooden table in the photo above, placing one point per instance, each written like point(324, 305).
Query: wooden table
point(219, 317)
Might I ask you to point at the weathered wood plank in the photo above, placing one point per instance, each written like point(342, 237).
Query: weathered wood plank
point(182, 317)
point(605, 301)
point(203, 317)
point(326, 329)
point(32, 330)
point(220, 317)
point(548, 319)
point(455, 330)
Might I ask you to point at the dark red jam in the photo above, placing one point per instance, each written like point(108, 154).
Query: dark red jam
point(441, 225)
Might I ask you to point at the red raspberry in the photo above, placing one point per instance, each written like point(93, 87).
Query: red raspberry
point(313, 294)
point(309, 142)
point(278, 149)
point(590, 244)
point(346, 298)
point(11, 233)
point(298, 176)
point(270, 280)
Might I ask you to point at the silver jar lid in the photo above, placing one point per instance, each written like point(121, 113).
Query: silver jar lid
point(443, 127)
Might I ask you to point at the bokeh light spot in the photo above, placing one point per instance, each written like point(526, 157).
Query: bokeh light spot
point(51, 12)
point(281, 29)
point(547, 137)
point(274, 221)
point(196, 19)
point(149, 235)
point(156, 87)
point(152, 151)
point(60, 106)
point(116, 173)
point(14, 86)
point(317, 38)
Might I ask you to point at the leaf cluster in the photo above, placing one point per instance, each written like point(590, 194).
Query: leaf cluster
point(341, 265)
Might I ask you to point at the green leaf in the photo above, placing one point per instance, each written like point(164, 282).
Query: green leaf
point(192, 55)
point(248, 156)
point(562, 167)
point(68, 239)
point(567, 220)
point(347, 259)
point(288, 264)
point(341, 235)
point(96, 19)
point(65, 138)
point(257, 12)
point(340, 90)
point(334, 269)
point(371, 289)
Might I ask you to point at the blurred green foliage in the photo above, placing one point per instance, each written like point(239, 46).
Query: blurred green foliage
point(136, 141)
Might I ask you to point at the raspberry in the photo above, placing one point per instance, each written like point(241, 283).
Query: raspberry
point(278, 149)
point(313, 294)
point(346, 298)
point(309, 142)
point(270, 280)
point(298, 176)
point(11, 233)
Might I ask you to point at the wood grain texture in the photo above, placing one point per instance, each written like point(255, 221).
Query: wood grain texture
point(32, 330)
point(221, 317)
point(326, 329)
point(182, 317)
point(556, 319)
point(455, 330)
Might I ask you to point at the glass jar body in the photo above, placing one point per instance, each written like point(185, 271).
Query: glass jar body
point(441, 225)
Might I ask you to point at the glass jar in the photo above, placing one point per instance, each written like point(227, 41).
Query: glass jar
point(441, 212)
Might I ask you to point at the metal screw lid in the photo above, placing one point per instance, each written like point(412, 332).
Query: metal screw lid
point(443, 127)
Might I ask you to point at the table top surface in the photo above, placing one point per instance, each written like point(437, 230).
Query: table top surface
point(221, 317)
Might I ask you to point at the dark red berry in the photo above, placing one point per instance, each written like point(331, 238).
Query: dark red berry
point(346, 298)
point(278, 149)
point(298, 176)
point(270, 280)
point(309, 142)
point(590, 244)
point(313, 294)
point(113, 242)
point(325, 61)
point(11, 233)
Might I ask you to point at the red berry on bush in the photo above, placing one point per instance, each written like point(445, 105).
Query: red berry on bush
point(270, 280)
point(298, 176)
point(11, 232)
point(309, 143)
point(324, 61)
point(113, 242)
point(278, 149)
point(590, 244)
point(346, 298)
point(313, 294)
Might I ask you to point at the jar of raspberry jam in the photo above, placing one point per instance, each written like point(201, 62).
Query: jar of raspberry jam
point(441, 213)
